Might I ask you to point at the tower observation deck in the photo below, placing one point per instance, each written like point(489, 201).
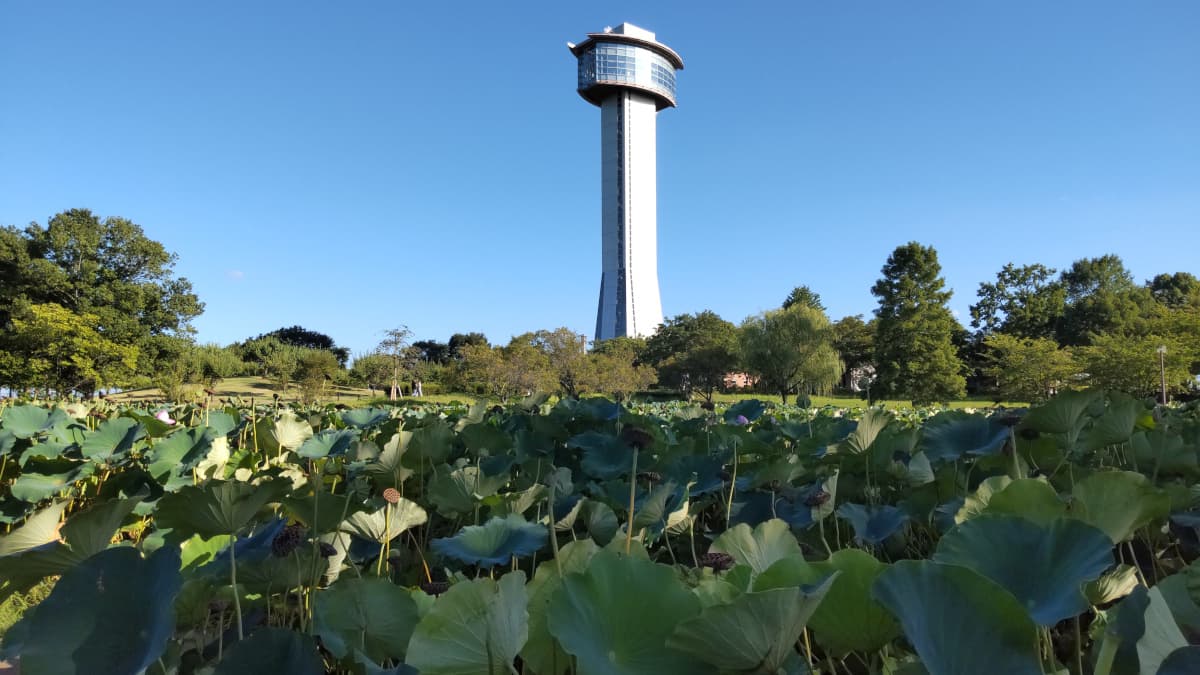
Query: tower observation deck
point(630, 76)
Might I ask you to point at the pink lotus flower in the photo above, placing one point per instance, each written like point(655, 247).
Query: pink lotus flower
point(164, 417)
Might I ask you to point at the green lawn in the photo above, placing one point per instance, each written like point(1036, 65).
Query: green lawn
point(853, 402)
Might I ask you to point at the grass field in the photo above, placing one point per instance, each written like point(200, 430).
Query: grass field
point(260, 388)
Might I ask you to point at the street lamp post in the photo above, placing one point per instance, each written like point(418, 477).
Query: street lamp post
point(1162, 369)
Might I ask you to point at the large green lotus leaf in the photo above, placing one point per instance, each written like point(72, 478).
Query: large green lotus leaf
point(429, 446)
point(113, 437)
point(950, 435)
point(1119, 502)
point(869, 426)
point(1030, 498)
point(113, 613)
point(1164, 451)
point(91, 531)
point(476, 628)
point(1117, 424)
point(849, 619)
point(1146, 629)
point(1182, 661)
point(322, 511)
point(759, 548)
point(330, 442)
point(176, 454)
point(1062, 414)
point(218, 507)
point(653, 511)
point(364, 418)
point(372, 615)
point(1112, 586)
point(604, 455)
point(496, 542)
point(221, 423)
point(33, 487)
point(388, 470)
point(272, 650)
point(1175, 591)
point(40, 528)
point(756, 633)
point(602, 522)
point(959, 621)
point(27, 421)
point(486, 440)
point(458, 491)
point(977, 501)
point(615, 618)
point(873, 523)
point(1043, 566)
point(289, 431)
point(541, 652)
point(387, 523)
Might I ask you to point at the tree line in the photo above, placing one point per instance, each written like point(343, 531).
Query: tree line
point(88, 304)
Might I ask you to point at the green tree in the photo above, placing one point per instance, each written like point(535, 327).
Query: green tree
point(1102, 300)
point(460, 340)
point(217, 363)
point(791, 350)
point(315, 369)
point(566, 355)
point(1130, 363)
point(395, 346)
point(108, 269)
point(299, 336)
point(613, 368)
point(915, 356)
point(1027, 369)
point(60, 351)
point(693, 352)
point(371, 370)
point(854, 340)
point(1025, 301)
point(803, 295)
point(1177, 291)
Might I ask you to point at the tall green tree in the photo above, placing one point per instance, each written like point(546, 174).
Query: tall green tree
point(1026, 302)
point(106, 268)
point(1027, 369)
point(1178, 290)
point(791, 350)
point(1102, 299)
point(56, 350)
point(854, 340)
point(915, 356)
point(803, 295)
point(693, 352)
point(1131, 363)
point(395, 345)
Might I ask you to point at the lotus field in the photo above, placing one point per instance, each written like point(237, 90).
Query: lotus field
point(594, 538)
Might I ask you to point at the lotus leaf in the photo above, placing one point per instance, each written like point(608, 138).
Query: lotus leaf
point(759, 548)
point(40, 528)
point(112, 613)
point(1043, 566)
point(1146, 630)
point(604, 455)
point(218, 507)
point(751, 409)
point(541, 652)
point(615, 618)
point(365, 418)
point(27, 421)
point(1063, 414)
point(429, 445)
point(873, 524)
point(387, 523)
point(1175, 592)
point(948, 436)
point(494, 543)
point(33, 487)
point(1182, 661)
point(755, 633)
point(371, 615)
point(456, 491)
point(272, 650)
point(476, 628)
point(289, 431)
point(1112, 586)
point(957, 619)
point(113, 437)
point(1118, 502)
point(327, 443)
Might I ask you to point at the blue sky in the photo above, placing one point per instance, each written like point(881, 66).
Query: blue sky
point(350, 167)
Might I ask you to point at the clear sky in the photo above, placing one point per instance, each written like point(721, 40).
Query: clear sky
point(354, 166)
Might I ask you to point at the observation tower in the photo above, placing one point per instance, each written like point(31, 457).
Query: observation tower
point(630, 76)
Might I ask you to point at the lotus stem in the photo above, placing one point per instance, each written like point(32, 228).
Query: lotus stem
point(387, 532)
point(1078, 646)
point(237, 596)
point(733, 486)
point(1108, 652)
point(553, 532)
point(632, 494)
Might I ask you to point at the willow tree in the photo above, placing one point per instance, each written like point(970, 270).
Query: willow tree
point(791, 350)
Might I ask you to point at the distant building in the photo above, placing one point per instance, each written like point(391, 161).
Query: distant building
point(630, 76)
